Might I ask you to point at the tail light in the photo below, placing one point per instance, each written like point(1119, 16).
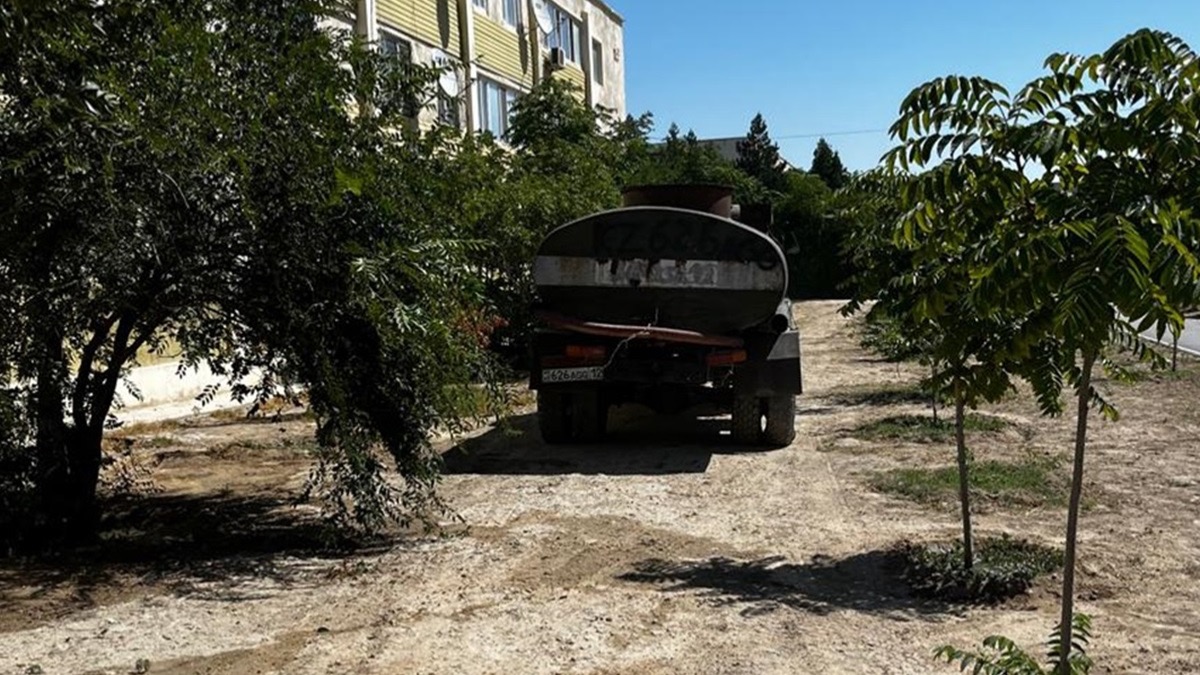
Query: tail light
point(731, 358)
point(586, 352)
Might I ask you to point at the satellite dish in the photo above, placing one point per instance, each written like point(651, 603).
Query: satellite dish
point(541, 13)
point(448, 80)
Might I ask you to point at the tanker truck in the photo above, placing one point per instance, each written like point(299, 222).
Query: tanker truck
point(673, 301)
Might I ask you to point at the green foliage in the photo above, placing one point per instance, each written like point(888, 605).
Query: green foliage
point(1036, 269)
point(811, 230)
point(888, 337)
point(1031, 482)
point(1004, 567)
point(827, 165)
point(1002, 656)
point(197, 172)
point(568, 161)
point(551, 114)
point(924, 429)
point(682, 159)
point(758, 156)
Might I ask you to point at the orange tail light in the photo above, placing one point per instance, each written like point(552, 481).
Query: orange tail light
point(586, 352)
point(734, 357)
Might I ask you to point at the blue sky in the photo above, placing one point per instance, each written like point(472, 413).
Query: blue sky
point(828, 68)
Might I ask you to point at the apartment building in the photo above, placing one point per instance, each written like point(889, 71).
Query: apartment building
point(495, 50)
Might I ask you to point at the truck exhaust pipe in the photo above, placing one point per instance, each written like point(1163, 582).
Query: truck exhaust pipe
point(781, 322)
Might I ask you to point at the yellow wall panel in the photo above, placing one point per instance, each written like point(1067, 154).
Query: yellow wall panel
point(501, 50)
point(431, 21)
point(573, 74)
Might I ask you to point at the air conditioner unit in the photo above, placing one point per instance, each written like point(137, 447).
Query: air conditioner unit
point(557, 58)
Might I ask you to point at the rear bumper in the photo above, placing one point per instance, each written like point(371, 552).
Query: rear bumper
point(772, 369)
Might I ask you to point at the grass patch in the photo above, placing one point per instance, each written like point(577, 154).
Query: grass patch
point(880, 396)
point(1029, 482)
point(158, 427)
point(1004, 567)
point(924, 429)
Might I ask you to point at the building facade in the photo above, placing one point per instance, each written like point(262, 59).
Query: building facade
point(495, 50)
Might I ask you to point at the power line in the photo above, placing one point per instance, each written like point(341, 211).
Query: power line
point(823, 134)
point(857, 132)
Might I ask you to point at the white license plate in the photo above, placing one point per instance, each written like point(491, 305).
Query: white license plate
point(551, 375)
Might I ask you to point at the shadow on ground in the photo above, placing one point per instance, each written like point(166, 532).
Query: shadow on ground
point(215, 546)
point(638, 443)
point(867, 582)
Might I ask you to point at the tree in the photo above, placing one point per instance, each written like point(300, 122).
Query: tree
point(196, 172)
point(923, 283)
point(827, 166)
point(758, 156)
point(1104, 233)
point(683, 159)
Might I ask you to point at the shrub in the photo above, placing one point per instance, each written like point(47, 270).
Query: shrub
point(1004, 568)
point(1002, 656)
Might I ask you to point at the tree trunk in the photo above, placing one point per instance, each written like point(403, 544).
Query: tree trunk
point(51, 436)
point(68, 456)
point(1174, 352)
point(934, 391)
point(1068, 593)
point(964, 485)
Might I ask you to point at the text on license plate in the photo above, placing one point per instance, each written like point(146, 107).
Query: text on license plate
point(572, 374)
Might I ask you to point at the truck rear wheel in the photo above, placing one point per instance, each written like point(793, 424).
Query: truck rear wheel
point(780, 429)
point(769, 421)
point(572, 416)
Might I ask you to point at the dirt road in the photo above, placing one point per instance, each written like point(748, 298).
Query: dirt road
point(665, 551)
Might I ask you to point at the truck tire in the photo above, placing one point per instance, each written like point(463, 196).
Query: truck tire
point(573, 416)
point(747, 420)
point(779, 428)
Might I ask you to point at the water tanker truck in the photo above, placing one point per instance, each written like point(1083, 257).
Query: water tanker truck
point(669, 302)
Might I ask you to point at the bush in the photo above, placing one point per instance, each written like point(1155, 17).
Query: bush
point(1004, 567)
point(888, 337)
point(1002, 656)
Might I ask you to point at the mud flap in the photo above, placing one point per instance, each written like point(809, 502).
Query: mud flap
point(773, 368)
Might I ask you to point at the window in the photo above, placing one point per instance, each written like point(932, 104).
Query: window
point(481, 4)
point(495, 106)
point(401, 50)
point(597, 62)
point(565, 34)
point(512, 12)
point(394, 46)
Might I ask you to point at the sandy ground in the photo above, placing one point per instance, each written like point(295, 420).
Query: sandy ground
point(665, 551)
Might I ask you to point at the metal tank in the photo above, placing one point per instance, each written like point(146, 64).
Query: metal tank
point(668, 301)
point(672, 256)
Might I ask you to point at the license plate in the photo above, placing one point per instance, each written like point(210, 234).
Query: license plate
point(552, 375)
